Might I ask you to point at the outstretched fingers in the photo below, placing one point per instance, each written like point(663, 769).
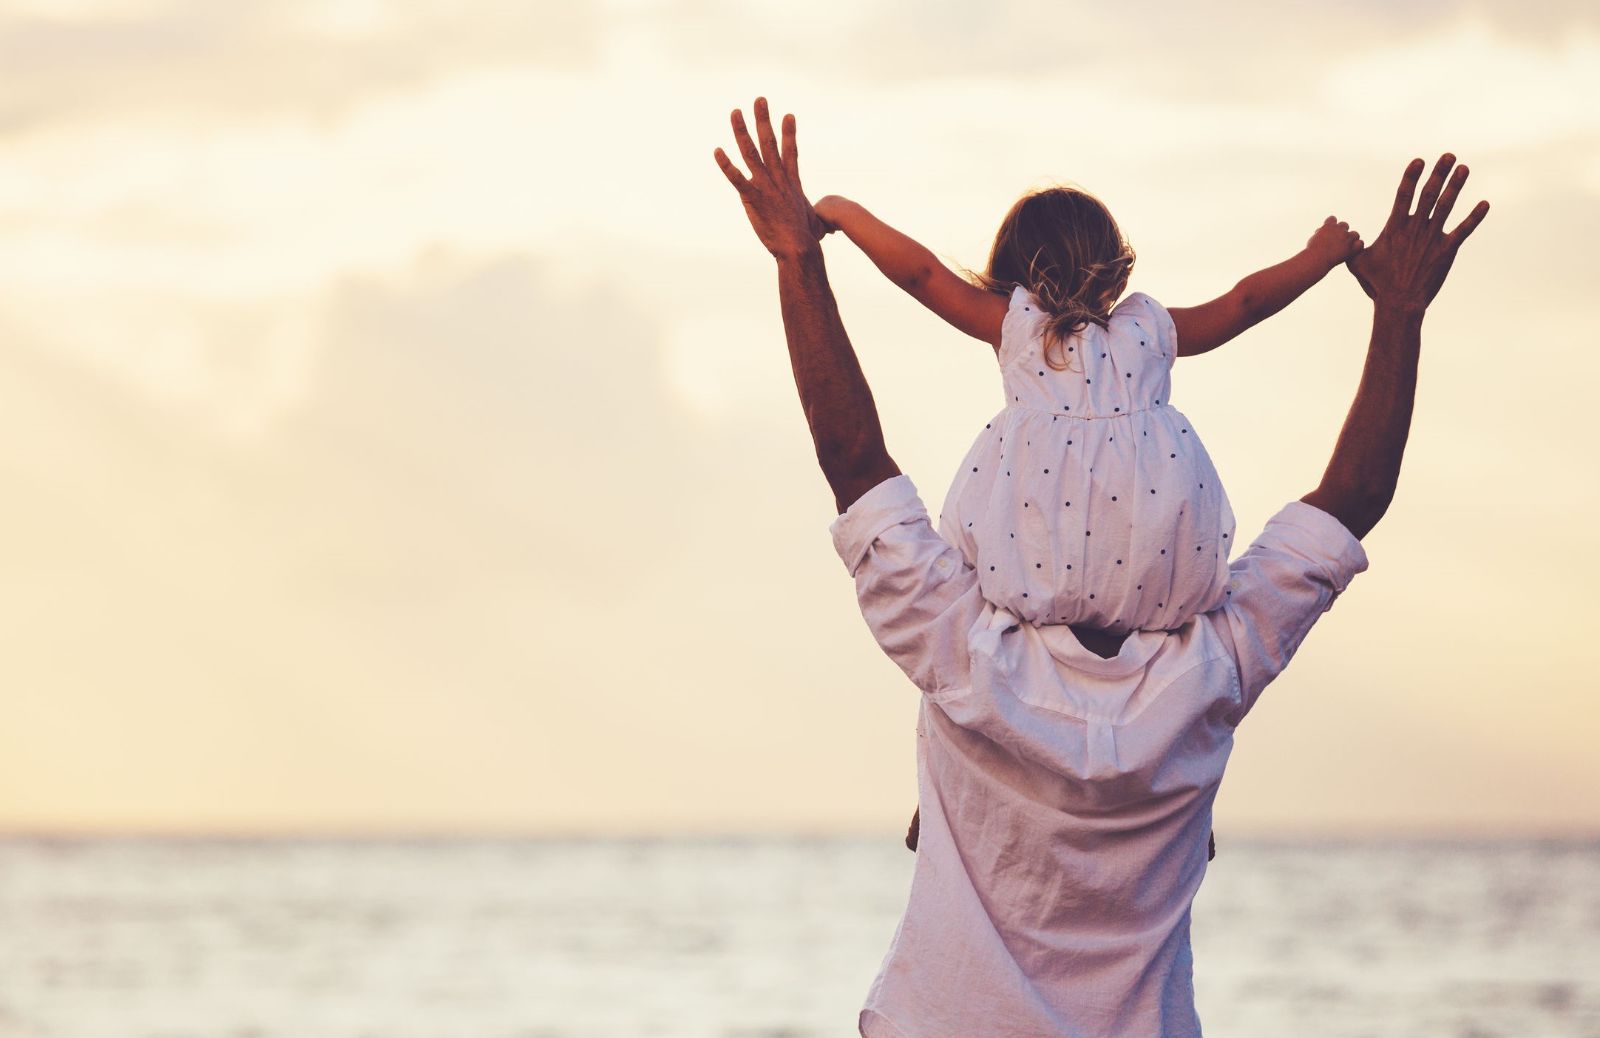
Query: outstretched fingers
point(769, 143)
point(729, 170)
point(791, 152)
point(1467, 225)
point(1430, 190)
point(1447, 201)
point(1406, 192)
point(747, 147)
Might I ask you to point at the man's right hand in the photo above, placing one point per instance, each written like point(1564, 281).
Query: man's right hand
point(1404, 268)
point(773, 198)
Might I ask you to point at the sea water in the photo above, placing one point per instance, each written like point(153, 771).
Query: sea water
point(183, 938)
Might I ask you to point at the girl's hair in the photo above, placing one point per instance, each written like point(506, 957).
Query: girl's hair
point(1061, 244)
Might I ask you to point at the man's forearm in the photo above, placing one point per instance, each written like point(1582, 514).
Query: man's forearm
point(1365, 468)
point(834, 394)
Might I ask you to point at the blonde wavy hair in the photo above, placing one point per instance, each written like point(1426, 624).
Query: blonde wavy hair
point(1061, 244)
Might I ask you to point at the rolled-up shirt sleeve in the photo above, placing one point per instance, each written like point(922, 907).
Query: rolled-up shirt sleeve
point(916, 592)
point(1279, 588)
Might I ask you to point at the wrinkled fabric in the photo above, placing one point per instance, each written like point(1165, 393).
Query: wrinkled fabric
point(1065, 798)
point(1089, 498)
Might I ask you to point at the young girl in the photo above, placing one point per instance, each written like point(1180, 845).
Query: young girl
point(1089, 499)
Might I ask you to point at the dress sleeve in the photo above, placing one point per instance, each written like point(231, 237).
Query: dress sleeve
point(918, 595)
point(1279, 588)
point(1019, 326)
point(1156, 331)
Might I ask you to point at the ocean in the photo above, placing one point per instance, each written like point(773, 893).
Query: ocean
point(754, 938)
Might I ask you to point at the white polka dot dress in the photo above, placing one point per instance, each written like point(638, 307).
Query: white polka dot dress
point(1089, 498)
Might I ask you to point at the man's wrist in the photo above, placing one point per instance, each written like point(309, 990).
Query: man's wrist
point(799, 254)
point(1399, 308)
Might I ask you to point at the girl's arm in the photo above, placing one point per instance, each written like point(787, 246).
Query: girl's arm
point(917, 270)
point(1264, 293)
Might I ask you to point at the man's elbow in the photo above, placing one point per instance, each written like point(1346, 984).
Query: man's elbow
point(852, 469)
point(1358, 509)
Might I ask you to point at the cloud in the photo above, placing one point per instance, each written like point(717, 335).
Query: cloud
point(482, 470)
point(196, 60)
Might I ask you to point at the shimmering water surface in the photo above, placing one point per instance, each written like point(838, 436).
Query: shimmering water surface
point(523, 938)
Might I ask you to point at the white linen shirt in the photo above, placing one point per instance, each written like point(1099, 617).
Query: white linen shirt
point(1065, 798)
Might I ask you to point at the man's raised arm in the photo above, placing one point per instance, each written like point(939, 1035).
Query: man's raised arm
point(833, 392)
point(1401, 271)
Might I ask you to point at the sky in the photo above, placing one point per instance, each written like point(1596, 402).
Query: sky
point(397, 433)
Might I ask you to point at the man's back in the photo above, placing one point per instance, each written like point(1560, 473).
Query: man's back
point(1065, 797)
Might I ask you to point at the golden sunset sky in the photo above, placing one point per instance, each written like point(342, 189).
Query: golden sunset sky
point(397, 431)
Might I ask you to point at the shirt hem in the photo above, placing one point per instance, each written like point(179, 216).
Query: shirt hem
point(873, 1024)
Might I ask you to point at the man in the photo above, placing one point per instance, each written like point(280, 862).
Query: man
point(1066, 775)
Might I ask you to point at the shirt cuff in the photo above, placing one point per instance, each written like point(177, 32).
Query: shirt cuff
point(1315, 534)
point(886, 505)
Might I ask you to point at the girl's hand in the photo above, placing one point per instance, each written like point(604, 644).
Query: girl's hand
point(826, 210)
point(1334, 242)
